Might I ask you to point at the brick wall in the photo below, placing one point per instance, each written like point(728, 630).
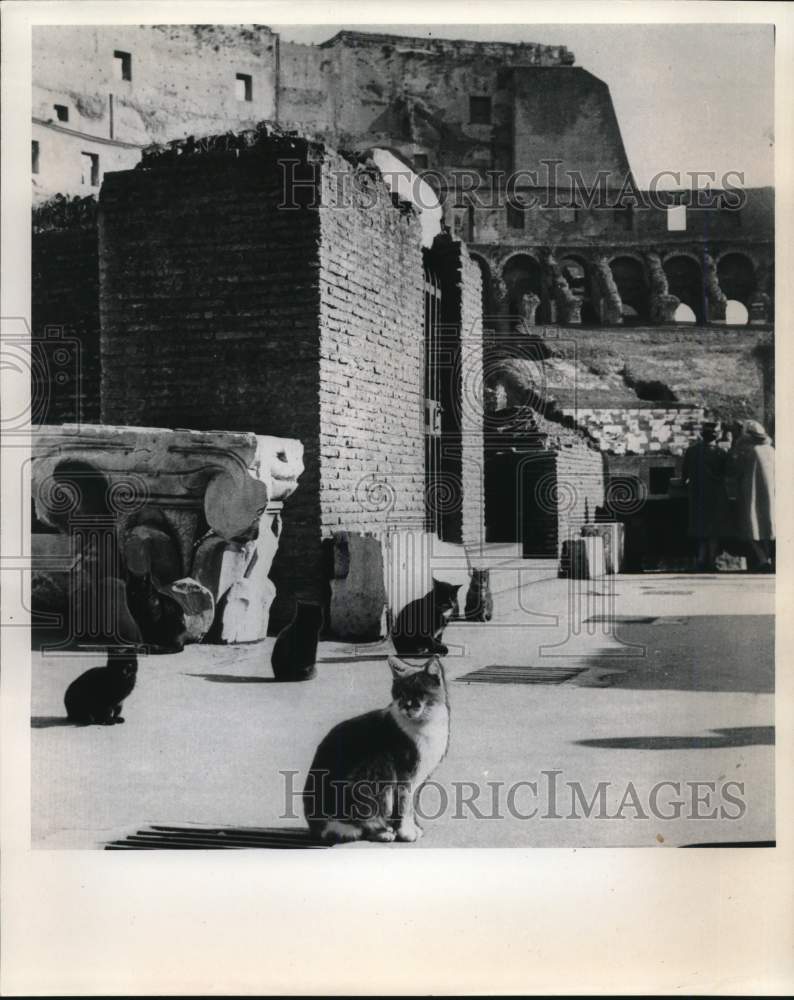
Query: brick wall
point(222, 310)
point(580, 489)
point(371, 356)
point(209, 299)
point(65, 311)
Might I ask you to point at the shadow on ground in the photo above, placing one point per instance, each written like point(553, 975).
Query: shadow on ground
point(50, 721)
point(740, 736)
point(698, 653)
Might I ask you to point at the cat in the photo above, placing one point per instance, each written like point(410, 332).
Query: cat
point(479, 601)
point(95, 697)
point(295, 650)
point(367, 771)
point(418, 627)
point(160, 618)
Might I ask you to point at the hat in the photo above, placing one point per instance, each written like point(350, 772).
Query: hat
point(754, 430)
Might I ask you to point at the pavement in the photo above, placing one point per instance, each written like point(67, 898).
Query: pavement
point(628, 711)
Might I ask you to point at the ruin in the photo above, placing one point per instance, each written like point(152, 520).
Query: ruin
point(561, 333)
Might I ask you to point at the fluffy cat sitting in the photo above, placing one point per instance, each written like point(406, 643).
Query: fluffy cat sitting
point(95, 697)
point(418, 627)
point(367, 770)
point(295, 650)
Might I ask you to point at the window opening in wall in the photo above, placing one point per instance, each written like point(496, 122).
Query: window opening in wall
point(35, 156)
point(90, 169)
point(122, 65)
point(243, 87)
point(676, 218)
point(420, 161)
point(61, 112)
point(516, 216)
point(659, 479)
point(623, 217)
point(480, 110)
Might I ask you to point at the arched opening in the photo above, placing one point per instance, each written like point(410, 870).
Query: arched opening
point(736, 313)
point(737, 279)
point(523, 275)
point(629, 276)
point(575, 271)
point(683, 314)
point(685, 280)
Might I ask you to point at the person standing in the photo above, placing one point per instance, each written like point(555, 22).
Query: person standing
point(755, 494)
point(704, 476)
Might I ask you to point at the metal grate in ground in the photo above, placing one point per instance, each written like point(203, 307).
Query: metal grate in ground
point(197, 838)
point(498, 673)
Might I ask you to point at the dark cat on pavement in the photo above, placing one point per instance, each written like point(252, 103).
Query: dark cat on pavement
point(367, 771)
point(295, 650)
point(95, 697)
point(419, 626)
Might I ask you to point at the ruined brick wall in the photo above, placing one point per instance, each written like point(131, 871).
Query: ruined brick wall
point(580, 485)
point(221, 309)
point(65, 311)
point(371, 354)
point(210, 301)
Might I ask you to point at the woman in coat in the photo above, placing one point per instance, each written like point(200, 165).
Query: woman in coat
point(755, 495)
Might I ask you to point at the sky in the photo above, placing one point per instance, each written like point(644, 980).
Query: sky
point(687, 96)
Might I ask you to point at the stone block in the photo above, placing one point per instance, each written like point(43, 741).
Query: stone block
point(614, 535)
point(358, 593)
point(583, 558)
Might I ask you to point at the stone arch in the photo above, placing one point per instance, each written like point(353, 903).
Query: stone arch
point(524, 274)
point(685, 278)
point(577, 272)
point(630, 276)
point(737, 277)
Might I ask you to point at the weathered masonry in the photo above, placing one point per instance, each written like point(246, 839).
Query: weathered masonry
point(276, 287)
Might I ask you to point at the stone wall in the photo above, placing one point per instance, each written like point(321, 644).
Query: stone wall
point(637, 431)
point(65, 311)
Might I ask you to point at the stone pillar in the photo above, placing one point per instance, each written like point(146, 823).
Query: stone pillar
point(663, 304)
point(569, 306)
point(611, 305)
point(716, 300)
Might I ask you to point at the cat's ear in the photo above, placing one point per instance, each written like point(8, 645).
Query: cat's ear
point(434, 669)
point(400, 669)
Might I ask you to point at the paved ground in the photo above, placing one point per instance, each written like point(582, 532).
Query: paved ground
point(679, 691)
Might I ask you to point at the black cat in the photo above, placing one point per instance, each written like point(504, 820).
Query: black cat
point(479, 602)
point(295, 650)
point(160, 618)
point(418, 627)
point(367, 771)
point(95, 697)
